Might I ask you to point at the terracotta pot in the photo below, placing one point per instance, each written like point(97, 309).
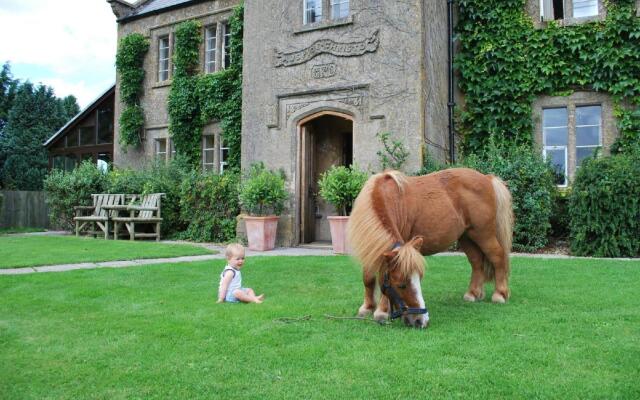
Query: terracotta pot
point(261, 232)
point(338, 226)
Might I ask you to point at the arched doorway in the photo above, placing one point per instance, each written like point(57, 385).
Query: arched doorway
point(326, 139)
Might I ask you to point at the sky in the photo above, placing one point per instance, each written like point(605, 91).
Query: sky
point(69, 45)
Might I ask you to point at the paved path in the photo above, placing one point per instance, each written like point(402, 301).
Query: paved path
point(281, 251)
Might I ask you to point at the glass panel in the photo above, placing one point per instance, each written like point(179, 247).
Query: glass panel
point(163, 59)
point(87, 136)
point(58, 162)
point(312, 11)
point(227, 45)
point(339, 9)
point(105, 126)
point(555, 136)
point(554, 117)
point(72, 138)
point(588, 136)
point(161, 148)
point(210, 51)
point(208, 156)
point(209, 142)
point(70, 162)
point(585, 8)
point(557, 158)
point(584, 152)
point(588, 115)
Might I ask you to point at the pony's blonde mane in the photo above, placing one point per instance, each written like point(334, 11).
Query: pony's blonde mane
point(369, 238)
point(409, 260)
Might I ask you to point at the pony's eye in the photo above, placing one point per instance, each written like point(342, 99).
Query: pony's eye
point(402, 286)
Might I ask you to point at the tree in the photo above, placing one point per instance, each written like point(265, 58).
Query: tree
point(8, 87)
point(34, 116)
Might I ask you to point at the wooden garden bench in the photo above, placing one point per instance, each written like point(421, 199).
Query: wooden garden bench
point(147, 213)
point(99, 213)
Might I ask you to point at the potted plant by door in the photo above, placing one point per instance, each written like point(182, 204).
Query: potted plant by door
point(340, 186)
point(262, 196)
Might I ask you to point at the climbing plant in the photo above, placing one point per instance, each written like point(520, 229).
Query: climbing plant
point(129, 64)
point(505, 67)
point(196, 99)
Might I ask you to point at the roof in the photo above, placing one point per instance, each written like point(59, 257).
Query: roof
point(92, 106)
point(156, 6)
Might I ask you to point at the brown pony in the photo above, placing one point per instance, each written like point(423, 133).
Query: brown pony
point(397, 219)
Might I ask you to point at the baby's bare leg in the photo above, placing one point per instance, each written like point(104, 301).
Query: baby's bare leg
point(247, 297)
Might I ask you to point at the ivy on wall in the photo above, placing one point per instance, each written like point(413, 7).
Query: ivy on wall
point(505, 62)
point(195, 99)
point(129, 64)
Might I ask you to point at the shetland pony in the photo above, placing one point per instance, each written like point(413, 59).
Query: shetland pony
point(397, 219)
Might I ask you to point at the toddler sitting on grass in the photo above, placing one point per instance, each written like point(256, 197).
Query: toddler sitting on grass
point(230, 289)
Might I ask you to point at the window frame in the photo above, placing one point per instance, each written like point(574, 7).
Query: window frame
point(226, 46)
point(211, 51)
point(161, 72)
point(568, 12)
point(222, 159)
point(207, 167)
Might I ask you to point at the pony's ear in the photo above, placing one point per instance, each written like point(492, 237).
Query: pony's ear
point(416, 242)
point(390, 255)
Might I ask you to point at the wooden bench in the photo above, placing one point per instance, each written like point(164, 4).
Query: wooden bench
point(100, 215)
point(147, 213)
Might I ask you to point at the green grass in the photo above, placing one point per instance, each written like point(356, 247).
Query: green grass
point(31, 251)
point(7, 231)
point(570, 331)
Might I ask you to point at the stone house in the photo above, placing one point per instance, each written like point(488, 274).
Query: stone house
point(321, 78)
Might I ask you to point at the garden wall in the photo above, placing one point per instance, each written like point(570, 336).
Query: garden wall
point(24, 209)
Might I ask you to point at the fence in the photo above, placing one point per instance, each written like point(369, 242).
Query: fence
point(24, 209)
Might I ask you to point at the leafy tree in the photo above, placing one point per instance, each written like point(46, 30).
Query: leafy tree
point(34, 116)
point(8, 87)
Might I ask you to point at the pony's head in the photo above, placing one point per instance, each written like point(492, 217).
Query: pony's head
point(400, 282)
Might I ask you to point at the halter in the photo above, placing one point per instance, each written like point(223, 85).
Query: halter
point(398, 306)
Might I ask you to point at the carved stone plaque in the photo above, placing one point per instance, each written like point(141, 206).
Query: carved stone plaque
point(328, 46)
point(323, 71)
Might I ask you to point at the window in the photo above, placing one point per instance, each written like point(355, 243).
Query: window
point(72, 138)
point(70, 162)
point(87, 136)
point(224, 156)
point(339, 9)
point(585, 8)
point(161, 149)
point(103, 161)
point(588, 131)
point(312, 11)
point(58, 162)
point(210, 49)
point(105, 125)
point(569, 135)
point(208, 152)
point(163, 58)
point(556, 9)
point(226, 49)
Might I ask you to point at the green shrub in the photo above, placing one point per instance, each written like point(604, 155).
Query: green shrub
point(66, 190)
point(340, 186)
point(393, 154)
point(262, 192)
point(604, 207)
point(209, 204)
point(530, 181)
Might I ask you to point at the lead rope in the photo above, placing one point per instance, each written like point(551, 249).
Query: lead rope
point(289, 320)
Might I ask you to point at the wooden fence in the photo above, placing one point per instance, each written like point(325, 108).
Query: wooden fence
point(22, 209)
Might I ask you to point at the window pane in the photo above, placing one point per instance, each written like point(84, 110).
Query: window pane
point(208, 156)
point(161, 147)
point(210, 51)
point(70, 162)
point(163, 58)
point(339, 9)
point(105, 126)
point(58, 162)
point(554, 117)
point(208, 142)
point(588, 115)
point(227, 45)
point(312, 11)
point(555, 136)
point(584, 152)
point(72, 138)
point(557, 158)
point(87, 136)
point(588, 136)
point(585, 8)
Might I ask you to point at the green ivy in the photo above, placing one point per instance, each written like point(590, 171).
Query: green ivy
point(129, 64)
point(505, 67)
point(195, 99)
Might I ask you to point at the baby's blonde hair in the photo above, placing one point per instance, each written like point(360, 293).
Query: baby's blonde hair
point(233, 249)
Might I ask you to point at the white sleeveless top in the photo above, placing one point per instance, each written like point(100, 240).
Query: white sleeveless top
point(236, 282)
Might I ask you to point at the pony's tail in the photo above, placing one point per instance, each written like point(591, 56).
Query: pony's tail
point(504, 224)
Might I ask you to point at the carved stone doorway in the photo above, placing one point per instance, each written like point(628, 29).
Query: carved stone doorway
point(326, 140)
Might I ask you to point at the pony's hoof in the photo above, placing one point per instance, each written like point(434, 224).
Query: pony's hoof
point(364, 312)
point(469, 297)
point(381, 316)
point(498, 298)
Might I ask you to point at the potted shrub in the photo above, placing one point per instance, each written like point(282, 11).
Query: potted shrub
point(340, 186)
point(262, 196)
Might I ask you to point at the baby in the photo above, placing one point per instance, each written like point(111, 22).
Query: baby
point(230, 288)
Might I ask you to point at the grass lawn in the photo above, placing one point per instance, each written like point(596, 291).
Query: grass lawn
point(570, 331)
point(31, 251)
